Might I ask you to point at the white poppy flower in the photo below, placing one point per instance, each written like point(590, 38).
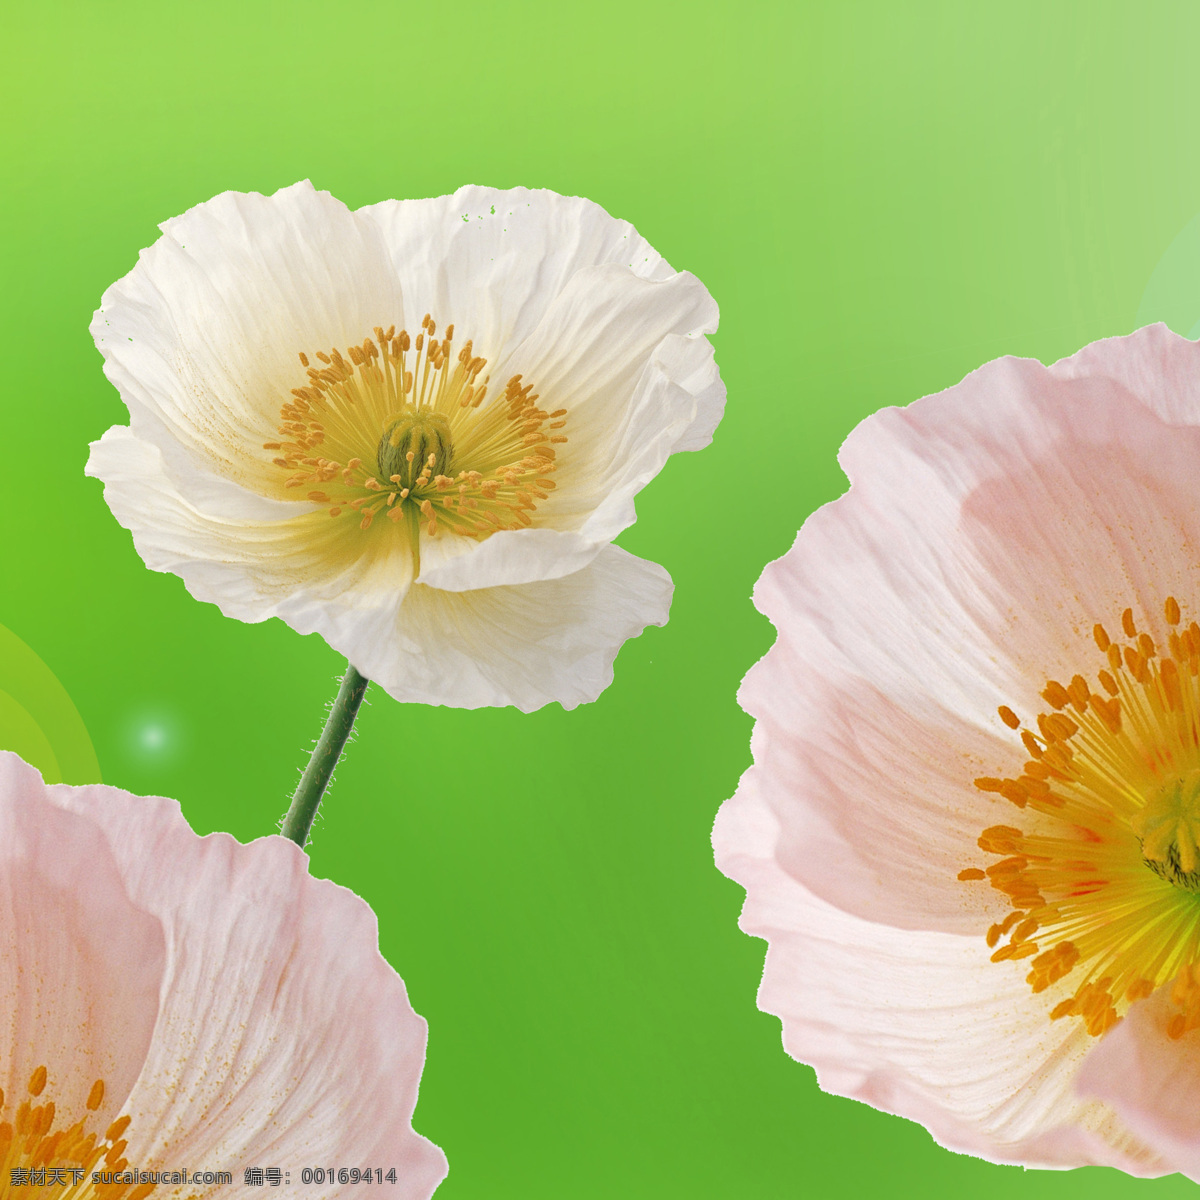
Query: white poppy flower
point(415, 428)
point(174, 1003)
point(971, 835)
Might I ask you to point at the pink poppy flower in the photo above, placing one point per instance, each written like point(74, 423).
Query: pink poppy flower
point(971, 834)
point(175, 1003)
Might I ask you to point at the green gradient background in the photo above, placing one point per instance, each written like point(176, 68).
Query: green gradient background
point(880, 198)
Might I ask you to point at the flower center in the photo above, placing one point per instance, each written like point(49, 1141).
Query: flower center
point(403, 427)
point(413, 441)
point(1104, 874)
point(1168, 827)
point(41, 1157)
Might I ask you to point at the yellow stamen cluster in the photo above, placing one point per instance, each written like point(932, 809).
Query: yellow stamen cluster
point(403, 427)
point(1102, 877)
point(1185, 995)
point(56, 1157)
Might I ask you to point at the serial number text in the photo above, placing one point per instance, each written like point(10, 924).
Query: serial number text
point(346, 1175)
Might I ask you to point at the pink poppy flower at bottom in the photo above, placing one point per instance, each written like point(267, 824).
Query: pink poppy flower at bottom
point(177, 1003)
point(971, 834)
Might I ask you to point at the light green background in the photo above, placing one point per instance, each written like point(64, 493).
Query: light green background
point(881, 197)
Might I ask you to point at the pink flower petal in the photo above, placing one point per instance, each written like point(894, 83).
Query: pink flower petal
point(1156, 367)
point(283, 1037)
point(1152, 1081)
point(987, 530)
point(81, 963)
point(920, 1024)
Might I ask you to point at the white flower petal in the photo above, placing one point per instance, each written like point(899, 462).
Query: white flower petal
point(525, 645)
point(602, 351)
point(202, 337)
point(1152, 1081)
point(916, 1023)
point(679, 398)
point(508, 558)
point(248, 565)
point(590, 353)
point(690, 364)
point(283, 1038)
point(491, 261)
